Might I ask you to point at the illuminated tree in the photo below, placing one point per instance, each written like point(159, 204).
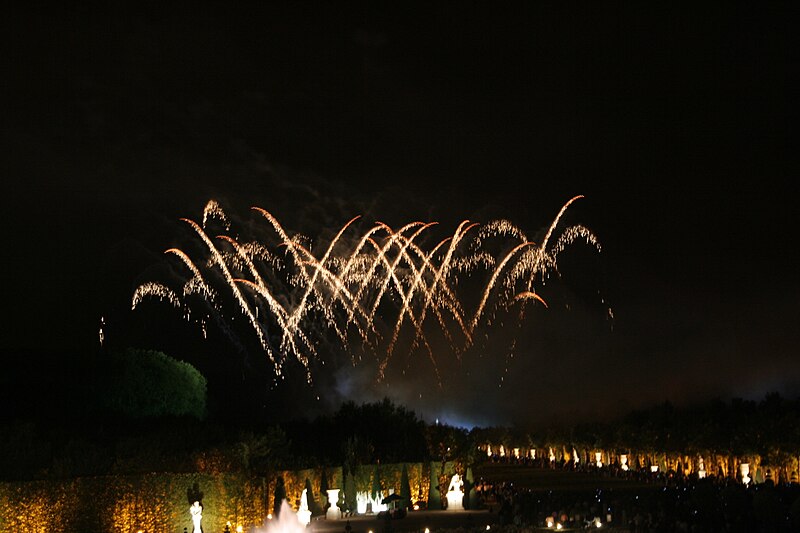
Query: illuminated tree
point(376, 482)
point(350, 502)
point(323, 490)
point(280, 495)
point(313, 506)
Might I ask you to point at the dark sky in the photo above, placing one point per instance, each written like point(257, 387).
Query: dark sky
point(677, 124)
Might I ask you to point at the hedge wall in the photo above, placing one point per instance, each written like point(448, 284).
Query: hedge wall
point(158, 503)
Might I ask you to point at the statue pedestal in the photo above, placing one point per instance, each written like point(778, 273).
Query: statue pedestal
point(304, 516)
point(455, 500)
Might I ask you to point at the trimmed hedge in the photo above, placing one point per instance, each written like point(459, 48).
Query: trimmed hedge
point(160, 502)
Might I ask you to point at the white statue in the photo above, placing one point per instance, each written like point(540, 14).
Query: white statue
point(455, 494)
point(744, 468)
point(304, 514)
point(455, 484)
point(304, 500)
point(197, 514)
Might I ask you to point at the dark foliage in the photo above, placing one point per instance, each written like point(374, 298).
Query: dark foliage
point(146, 383)
point(360, 434)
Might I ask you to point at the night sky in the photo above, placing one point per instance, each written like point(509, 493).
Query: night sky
point(677, 124)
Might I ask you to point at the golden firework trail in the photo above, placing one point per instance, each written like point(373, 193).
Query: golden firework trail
point(363, 284)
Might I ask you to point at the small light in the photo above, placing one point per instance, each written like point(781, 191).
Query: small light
point(416, 507)
point(559, 526)
point(426, 530)
point(239, 529)
point(269, 516)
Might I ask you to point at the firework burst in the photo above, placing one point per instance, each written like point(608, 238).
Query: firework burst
point(372, 289)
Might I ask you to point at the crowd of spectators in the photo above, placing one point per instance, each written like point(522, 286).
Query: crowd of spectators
point(652, 502)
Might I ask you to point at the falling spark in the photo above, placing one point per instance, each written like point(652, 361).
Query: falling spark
point(154, 290)
point(213, 210)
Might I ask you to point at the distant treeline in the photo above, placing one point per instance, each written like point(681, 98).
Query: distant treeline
point(142, 411)
point(769, 428)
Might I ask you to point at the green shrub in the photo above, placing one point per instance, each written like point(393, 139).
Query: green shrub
point(147, 383)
